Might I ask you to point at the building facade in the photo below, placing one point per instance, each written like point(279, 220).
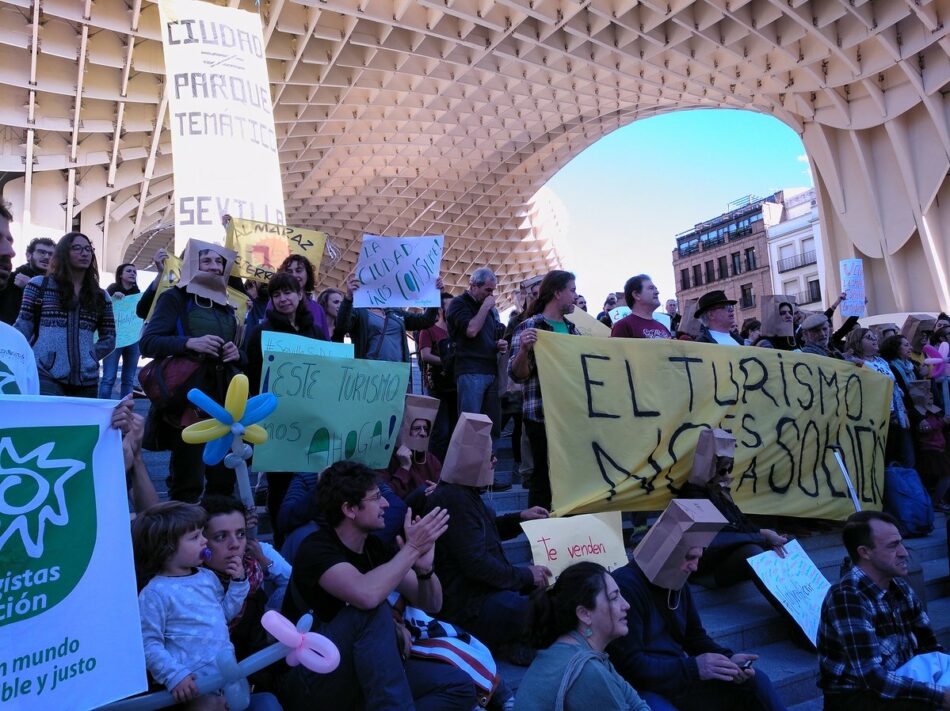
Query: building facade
point(729, 252)
point(794, 250)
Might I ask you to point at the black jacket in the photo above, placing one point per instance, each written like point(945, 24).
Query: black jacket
point(469, 559)
point(281, 324)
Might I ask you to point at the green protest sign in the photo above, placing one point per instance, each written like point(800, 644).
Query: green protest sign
point(128, 326)
point(276, 342)
point(330, 409)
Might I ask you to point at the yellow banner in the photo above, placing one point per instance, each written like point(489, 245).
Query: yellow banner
point(557, 543)
point(587, 325)
point(623, 417)
point(262, 246)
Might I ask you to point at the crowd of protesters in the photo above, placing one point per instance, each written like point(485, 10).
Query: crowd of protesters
point(404, 567)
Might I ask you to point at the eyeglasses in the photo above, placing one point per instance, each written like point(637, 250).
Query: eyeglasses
point(374, 497)
point(82, 249)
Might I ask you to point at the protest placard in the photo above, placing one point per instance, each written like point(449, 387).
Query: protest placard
point(398, 271)
point(276, 342)
point(65, 551)
point(587, 325)
point(330, 409)
point(221, 119)
point(618, 313)
point(623, 417)
point(128, 326)
point(171, 273)
point(261, 247)
point(795, 582)
point(559, 542)
point(852, 283)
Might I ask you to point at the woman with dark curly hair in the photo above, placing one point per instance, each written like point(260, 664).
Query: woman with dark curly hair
point(300, 268)
point(68, 320)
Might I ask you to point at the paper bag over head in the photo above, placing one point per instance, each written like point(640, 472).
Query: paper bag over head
point(468, 459)
point(914, 327)
point(686, 523)
point(689, 324)
point(712, 444)
point(922, 397)
point(418, 407)
point(205, 284)
point(772, 322)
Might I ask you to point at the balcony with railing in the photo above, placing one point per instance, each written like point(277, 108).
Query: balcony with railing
point(796, 261)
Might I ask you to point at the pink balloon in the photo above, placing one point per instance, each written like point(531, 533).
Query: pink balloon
point(281, 628)
point(937, 358)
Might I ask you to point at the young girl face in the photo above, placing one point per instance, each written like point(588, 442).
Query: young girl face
point(128, 276)
point(188, 553)
point(297, 270)
point(226, 539)
point(333, 304)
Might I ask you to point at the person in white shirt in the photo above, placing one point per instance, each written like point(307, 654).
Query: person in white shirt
point(18, 374)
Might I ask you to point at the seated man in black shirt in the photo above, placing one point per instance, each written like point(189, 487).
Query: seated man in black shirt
point(344, 576)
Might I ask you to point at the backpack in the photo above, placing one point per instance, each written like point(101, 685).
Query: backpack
point(906, 500)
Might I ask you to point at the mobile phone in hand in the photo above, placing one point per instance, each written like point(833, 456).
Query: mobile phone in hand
point(746, 664)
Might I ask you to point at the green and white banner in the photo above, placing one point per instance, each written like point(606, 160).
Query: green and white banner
point(70, 636)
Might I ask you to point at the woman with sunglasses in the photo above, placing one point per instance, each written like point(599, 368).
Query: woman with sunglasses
point(68, 320)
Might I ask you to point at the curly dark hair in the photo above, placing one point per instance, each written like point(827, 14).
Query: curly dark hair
point(219, 505)
point(156, 533)
point(342, 483)
point(90, 294)
point(308, 267)
point(554, 610)
point(891, 346)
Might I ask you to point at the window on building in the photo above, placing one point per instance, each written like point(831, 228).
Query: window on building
point(736, 263)
point(790, 288)
point(723, 267)
point(814, 291)
point(684, 279)
point(746, 299)
point(697, 274)
point(750, 262)
point(710, 271)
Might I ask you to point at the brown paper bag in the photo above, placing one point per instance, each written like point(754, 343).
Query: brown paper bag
point(772, 323)
point(923, 397)
point(205, 284)
point(689, 324)
point(915, 328)
point(879, 328)
point(686, 523)
point(418, 407)
point(468, 459)
point(711, 444)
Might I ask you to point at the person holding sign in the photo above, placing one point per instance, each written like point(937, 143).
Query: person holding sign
point(380, 334)
point(643, 298)
point(345, 575)
point(872, 623)
point(124, 285)
point(194, 323)
point(573, 623)
point(667, 655)
point(555, 301)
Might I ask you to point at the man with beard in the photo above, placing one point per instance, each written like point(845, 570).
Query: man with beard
point(38, 254)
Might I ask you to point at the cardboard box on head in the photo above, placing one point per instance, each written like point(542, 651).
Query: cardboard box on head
point(418, 407)
point(468, 459)
point(923, 397)
point(712, 444)
point(881, 328)
point(773, 324)
point(686, 523)
point(689, 324)
point(205, 284)
point(916, 327)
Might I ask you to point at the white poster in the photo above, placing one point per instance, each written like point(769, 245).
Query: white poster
point(852, 283)
point(70, 636)
point(398, 271)
point(221, 117)
point(618, 313)
point(557, 543)
point(796, 583)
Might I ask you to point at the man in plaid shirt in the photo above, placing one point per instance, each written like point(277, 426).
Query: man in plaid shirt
point(555, 300)
point(872, 623)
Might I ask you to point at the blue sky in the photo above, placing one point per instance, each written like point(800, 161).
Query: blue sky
point(629, 194)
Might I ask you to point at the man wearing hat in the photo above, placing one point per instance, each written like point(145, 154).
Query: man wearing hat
point(667, 655)
point(717, 314)
point(816, 332)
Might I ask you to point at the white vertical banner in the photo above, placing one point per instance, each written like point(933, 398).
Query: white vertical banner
point(852, 283)
point(224, 147)
point(70, 636)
